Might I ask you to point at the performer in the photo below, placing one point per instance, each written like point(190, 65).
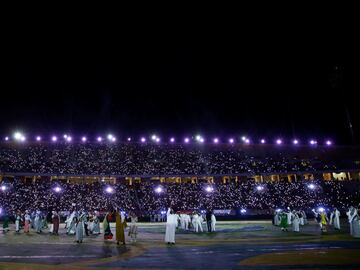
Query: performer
point(106, 226)
point(70, 223)
point(79, 228)
point(133, 227)
point(17, 221)
point(295, 221)
point(208, 220)
point(335, 219)
point(27, 221)
point(6, 223)
point(324, 220)
point(171, 223)
point(213, 222)
point(56, 222)
point(284, 221)
point(120, 227)
point(96, 225)
point(38, 222)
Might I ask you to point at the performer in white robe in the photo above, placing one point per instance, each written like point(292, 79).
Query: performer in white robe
point(289, 216)
point(335, 219)
point(38, 222)
point(187, 221)
point(213, 222)
point(171, 223)
point(195, 222)
point(17, 221)
point(354, 220)
point(301, 218)
point(276, 218)
point(70, 223)
point(182, 221)
point(96, 225)
point(295, 222)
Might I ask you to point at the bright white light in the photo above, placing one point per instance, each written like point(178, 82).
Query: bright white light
point(57, 189)
point(163, 212)
point(99, 139)
point(216, 140)
point(83, 139)
point(6, 138)
point(328, 142)
point(143, 140)
point(313, 142)
point(247, 141)
point(311, 186)
point(186, 140)
point(0, 211)
point(243, 211)
point(201, 140)
point(262, 141)
point(113, 139)
point(295, 141)
point(54, 138)
point(231, 140)
point(23, 139)
point(158, 189)
point(68, 139)
point(38, 138)
point(65, 136)
point(209, 189)
point(278, 210)
point(129, 139)
point(321, 209)
point(259, 188)
point(157, 139)
point(172, 140)
point(153, 137)
point(18, 135)
point(278, 141)
point(243, 138)
point(109, 190)
point(198, 137)
point(110, 136)
point(3, 188)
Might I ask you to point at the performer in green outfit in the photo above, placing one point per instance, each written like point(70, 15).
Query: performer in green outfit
point(283, 221)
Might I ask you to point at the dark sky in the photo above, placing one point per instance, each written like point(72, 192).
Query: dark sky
point(281, 88)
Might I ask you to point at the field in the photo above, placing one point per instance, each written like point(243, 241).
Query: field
point(235, 245)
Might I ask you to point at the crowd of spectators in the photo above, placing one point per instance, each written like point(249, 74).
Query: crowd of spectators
point(151, 159)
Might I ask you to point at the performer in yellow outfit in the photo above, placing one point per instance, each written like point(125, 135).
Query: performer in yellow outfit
point(120, 227)
point(323, 221)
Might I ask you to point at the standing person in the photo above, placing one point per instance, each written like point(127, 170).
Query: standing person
point(79, 231)
point(335, 219)
point(213, 222)
point(208, 220)
point(86, 221)
point(187, 221)
point(120, 227)
point(70, 223)
point(284, 221)
point(17, 221)
point(27, 218)
point(171, 223)
point(96, 225)
point(38, 222)
point(6, 223)
point(56, 222)
point(106, 226)
point(133, 227)
point(295, 221)
point(323, 220)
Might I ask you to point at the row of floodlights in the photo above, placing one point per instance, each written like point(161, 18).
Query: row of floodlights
point(18, 136)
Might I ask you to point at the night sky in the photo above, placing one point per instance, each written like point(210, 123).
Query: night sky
point(288, 89)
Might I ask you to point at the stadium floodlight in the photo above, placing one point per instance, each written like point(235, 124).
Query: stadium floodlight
point(157, 139)
point(3, 187)
point(83, 139)
point(328, 142)
point(18, 135)
point(198, 137)
point(278, 210)
point(321, 209)
point(186, 140)
point(110, 136)
point(278, 141)
point(311, 186)
point(172, 139)
point(231, 140)
point(109, 189)
point(247, 141)
point(99, 139)
point(68, 139)
point(216, 140)
point(202, 140)
point(153, 137)
point(23, 139)
point(313, 142)
point(57, 189)
point(260, 188)
point(38, 138)
point(159, 189)
point(143, 139)
point(243, 138)
point(243, 211)
point(209, 189)
point(54, 138)
point(129, 139)
point(6, 138)
point(113, 139)
point(65, 136)
point(295, 142)
point(163, 212)
point(262, 141)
